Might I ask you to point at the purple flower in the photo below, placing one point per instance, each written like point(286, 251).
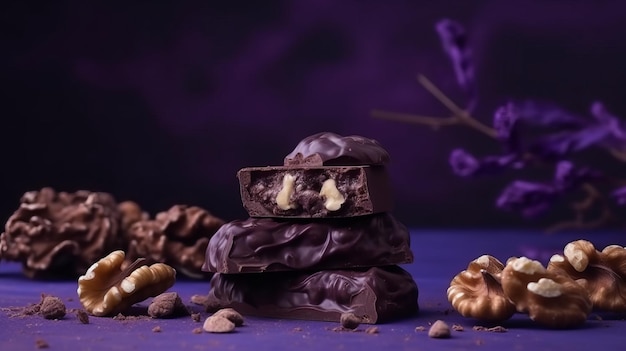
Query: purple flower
point(454, 40)
point(567, 176)
point(614, 127)
point(619, 195)
point(465, 164)
point(505, 124)
point(531, 199)
point(549, 115)
point(561, 144)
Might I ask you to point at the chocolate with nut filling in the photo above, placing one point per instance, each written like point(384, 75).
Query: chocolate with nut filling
point(375, 295)
point(315, 192)
point(330, 149)
point(264, 244)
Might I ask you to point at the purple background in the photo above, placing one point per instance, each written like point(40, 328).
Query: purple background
point(163, 103)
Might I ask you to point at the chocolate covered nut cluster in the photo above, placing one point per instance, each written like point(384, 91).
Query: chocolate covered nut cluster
point(59, 233)
point(177, 237)
point(320, 240)
point(488, 290)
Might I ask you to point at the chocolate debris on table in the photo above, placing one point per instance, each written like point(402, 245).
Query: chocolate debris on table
point(60, 234)
point(319, 227)
point(264, 244)
point(375, 294)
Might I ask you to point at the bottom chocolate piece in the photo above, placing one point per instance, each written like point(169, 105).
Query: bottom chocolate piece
point(376, 294)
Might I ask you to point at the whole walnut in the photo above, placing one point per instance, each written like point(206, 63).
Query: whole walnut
point(60, 234)
point(177, 237)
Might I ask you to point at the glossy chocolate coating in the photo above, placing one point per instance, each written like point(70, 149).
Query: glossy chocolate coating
point(375, 294)
point(264, 244)
point(330, 149)
point(366, 190)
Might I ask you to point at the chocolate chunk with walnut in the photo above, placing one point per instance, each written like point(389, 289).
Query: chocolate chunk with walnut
point(177, 237)
point(60, 233)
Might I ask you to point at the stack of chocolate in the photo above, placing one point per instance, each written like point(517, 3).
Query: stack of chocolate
point(320, 240)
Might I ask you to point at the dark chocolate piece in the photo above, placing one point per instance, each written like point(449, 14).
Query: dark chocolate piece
point(315, 192)
point(330, 149)
point(376, 295)
point(264, 244)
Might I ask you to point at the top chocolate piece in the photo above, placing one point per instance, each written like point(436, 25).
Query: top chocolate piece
point(330, 149)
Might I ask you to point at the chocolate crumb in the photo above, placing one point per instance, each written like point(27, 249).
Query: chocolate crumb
point(479, 342)
point(196, 317)
point(457, 327)
point(371, 330)
point(156, 329)
point(82, 316)
point(41, 344)
point(350, 321)
point(52, 307)
point(496, 329)
point(597, 317)
point(197, 330)
point(231, 315)
point(338, 329)
point(439, 330)
point(167, 305)
point(218, 324)
point(297, 329)
point(420, 328)
point(70, 299)
point(199, 299)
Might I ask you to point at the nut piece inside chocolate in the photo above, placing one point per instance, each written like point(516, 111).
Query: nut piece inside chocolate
point(283, 198)
point(106, 289)
point(333, 198)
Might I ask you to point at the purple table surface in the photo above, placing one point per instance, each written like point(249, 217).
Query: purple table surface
point(439, 255)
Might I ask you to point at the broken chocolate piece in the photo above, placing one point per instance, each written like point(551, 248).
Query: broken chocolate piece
point(315, 192)
point(374, 295)
point(330, 149)
point(264, 244)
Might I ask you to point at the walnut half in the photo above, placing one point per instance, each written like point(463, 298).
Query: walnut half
point(106, 289)
point(602, 273)
point(550, 299)
point(476, 292)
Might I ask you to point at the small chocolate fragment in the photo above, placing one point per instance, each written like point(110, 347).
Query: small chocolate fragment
point(330, 149)
point(315, 192)
point(52, 308)
point(439, 330)
point(82, 316)
point(167, 305)
point(218, 324)
point(263, 244)
point(60, 234)
point(178, 238)
point(376, 294)
point(349, 321)
point(231, 315)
